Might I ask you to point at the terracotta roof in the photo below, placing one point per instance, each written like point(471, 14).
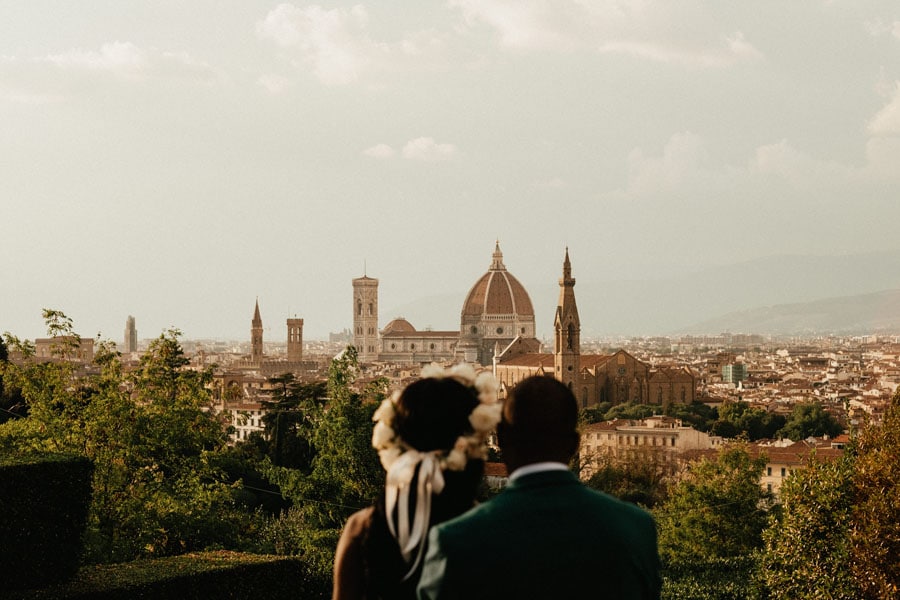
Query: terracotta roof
point(530, 360)
point(590, 361)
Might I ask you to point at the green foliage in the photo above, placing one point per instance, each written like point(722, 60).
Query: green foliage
point(737, 418)
point(807, 552)
point(346, 474)
point(698, 415)
point(810, 419)
point(594, 414)
point(150, 435)
point(197, 576)
point(640, 480)
point(715, 510)
point(630, 410)
point(875, 529)
point(715, 579)
point(44, 501)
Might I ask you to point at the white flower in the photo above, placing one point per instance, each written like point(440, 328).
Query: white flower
point(487, 386)
point(463, 372)
point(385, 412)
point(456, 460)
point(485, 417)
point(382, 435)
point(433, 370)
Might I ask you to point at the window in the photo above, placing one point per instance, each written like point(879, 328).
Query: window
point(783, 470)
point(769, 471)
point(371, 308)
point(499, 330)
point(359, 308)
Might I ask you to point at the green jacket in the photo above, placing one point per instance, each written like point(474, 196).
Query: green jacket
point(545, 536)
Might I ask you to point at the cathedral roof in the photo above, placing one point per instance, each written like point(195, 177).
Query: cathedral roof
point(398, 325)
point(497, 292)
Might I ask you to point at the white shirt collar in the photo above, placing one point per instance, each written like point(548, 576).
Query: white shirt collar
point(537, 468)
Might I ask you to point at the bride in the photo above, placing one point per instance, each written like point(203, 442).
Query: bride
point(431, 439)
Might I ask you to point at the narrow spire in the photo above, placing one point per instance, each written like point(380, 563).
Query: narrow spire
point(257, 320)
point(567, 266)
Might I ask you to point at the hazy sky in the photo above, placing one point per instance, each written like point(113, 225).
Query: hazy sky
point(174, 160)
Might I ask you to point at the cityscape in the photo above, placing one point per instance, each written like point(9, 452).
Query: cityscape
point(233, 237)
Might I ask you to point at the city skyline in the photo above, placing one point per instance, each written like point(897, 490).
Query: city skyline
point(176, 162)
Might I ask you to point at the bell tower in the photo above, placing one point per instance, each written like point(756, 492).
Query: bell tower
point(567, 328)
point(365, 318)
point(295, 340)
point(256, 336)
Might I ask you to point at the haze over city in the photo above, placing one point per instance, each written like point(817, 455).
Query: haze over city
point(178, 161)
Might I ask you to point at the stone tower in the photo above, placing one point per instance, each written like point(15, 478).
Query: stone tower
point(130, 335)
point(365, 318)
point(567, 327)
point(295, 340)
point(256, 336)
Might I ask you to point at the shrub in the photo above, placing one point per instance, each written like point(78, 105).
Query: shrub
point(44, 502)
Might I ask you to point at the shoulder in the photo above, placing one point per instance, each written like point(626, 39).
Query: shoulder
point(354, 529)
point(348, 557)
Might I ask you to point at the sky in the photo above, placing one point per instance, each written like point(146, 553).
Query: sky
point(176, 160)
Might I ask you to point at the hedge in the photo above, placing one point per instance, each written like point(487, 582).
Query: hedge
point(199, 576)
point(44, 503)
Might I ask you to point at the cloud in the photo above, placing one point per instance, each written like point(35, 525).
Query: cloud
point(274, 84)
point(426, 149)
point(683, 159)
point(654, 30)
point(380, 151)
point(886, 121)
point(128, 61)
point(332, 43)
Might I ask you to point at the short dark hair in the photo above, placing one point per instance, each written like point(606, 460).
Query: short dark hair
point(540, 418)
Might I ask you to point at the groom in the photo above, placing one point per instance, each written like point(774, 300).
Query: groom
point(546, 535)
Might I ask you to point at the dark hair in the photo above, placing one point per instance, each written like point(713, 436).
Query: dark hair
point(430, 414)
point(540, 421)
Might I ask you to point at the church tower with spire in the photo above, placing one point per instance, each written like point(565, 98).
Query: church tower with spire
point(567, 328)
point(256, 336)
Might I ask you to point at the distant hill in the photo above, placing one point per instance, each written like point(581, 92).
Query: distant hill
point(868, 313)
point(705, 298)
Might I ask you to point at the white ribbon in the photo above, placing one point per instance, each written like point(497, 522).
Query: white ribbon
point(397, 486)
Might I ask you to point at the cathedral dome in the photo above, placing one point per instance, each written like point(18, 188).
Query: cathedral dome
point(398, 326)
point(497, 292)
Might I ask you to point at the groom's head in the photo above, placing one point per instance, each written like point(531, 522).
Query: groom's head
point(540, 419)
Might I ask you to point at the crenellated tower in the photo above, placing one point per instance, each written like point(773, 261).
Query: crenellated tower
point(295, 340)
point(567, 327)
point(365, 318)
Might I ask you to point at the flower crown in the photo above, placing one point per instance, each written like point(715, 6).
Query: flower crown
point(483, 418)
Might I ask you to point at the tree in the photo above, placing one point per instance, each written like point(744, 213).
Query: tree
point(739, 417)
point(710, 528)
point(716, 509)
point(640, 480)
point(875, 530)
point(346, 474)
point(807, 549)
point(151, 437)
point(810, 419)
